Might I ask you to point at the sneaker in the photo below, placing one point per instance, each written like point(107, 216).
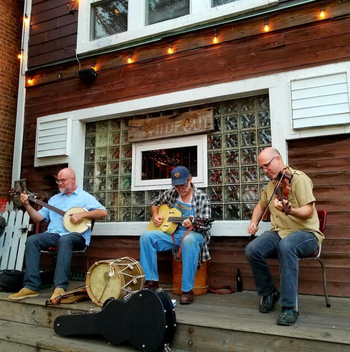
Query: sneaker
point(267, 304)
point(58, 291)
point(24, 293)
point(288, 316)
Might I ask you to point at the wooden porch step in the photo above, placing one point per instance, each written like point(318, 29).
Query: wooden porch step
point(213, 323)
point(30, 338)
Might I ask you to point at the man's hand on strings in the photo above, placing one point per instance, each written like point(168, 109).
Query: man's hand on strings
point(76, 218)
point(283, 206)
point(24, 198)
point(188, 222)
point(157, 220)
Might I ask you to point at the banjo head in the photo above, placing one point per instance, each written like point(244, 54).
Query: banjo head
point(79, 228)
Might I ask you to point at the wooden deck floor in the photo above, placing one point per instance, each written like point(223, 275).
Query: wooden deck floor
point(213, 323)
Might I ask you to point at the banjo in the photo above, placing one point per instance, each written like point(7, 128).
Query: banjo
point(85, 223)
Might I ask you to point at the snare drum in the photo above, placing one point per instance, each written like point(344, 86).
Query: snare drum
point(114, 278)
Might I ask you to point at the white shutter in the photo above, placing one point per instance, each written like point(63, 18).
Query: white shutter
point(53, 137)
point(320, 101)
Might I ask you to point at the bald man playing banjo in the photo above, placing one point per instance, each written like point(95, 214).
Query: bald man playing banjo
point(70, 213)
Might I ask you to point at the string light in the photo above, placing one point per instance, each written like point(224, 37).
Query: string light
point(170, 49)
point(26, 18)
point(266, 26)
point(322, 13)
point(130, 61)
point(215, 39)
point(19, 56)
point(30, 80)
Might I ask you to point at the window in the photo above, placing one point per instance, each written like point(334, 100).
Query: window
point(221, 2)
point(163, 10)
point(115, 22)
point(109, 17)
point(153, 161)
point(228, 170)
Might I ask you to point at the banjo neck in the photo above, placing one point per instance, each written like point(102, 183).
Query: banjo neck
point(46, 205)
point(43, 204)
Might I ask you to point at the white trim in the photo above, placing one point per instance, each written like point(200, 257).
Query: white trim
point(19, 129)
point(219, 228)
point(200, 141)
point(278, 87)
point(137, 30)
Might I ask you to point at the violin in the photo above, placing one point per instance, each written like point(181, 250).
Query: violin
point(283, 190)
point(75, 292)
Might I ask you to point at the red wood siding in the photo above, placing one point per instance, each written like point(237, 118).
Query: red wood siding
point(53, 33)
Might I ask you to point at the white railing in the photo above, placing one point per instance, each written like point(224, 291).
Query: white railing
point(12, 241)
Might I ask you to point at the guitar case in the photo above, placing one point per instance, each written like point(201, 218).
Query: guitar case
point(147, 320)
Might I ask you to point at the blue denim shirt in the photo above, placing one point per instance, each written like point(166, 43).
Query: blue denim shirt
point(79, 198)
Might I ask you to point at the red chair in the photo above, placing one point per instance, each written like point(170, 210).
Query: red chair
point(322, 215)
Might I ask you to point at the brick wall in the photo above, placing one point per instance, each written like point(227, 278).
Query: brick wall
point(11, 13)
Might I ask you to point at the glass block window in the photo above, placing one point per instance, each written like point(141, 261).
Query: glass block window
point(221, 2)
point(163, 10)
point(242, 130)
point(109, 17)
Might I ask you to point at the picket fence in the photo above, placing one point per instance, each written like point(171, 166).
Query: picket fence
point(12, 241)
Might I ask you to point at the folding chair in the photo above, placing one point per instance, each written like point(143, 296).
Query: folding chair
point(322, 215)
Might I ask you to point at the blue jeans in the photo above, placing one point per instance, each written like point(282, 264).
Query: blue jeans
point(270, 245)
point(42, 241)
point(155, 241)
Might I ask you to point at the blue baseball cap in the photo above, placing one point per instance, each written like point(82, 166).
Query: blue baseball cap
point(179, 176)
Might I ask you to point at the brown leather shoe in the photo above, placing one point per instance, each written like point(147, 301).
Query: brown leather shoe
point(187, 297)
point(151, 284)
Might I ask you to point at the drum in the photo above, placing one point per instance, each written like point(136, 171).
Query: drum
point(200, 280)
point(114, 278)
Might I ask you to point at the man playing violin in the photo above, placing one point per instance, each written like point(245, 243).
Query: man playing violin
point(192, 203)
point(294, 234)
point(56, 235)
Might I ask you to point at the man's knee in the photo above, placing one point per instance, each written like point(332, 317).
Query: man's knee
point(188, 241)
point(286, 246)
point(65, 241)
point(32, 240)
point(249, 250)
point(145, 237)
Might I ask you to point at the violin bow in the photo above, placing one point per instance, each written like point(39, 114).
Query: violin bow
point(252, 235)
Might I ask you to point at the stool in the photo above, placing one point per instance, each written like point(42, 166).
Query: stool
point(200, 280)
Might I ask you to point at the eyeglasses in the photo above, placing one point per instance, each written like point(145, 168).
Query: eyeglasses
point(181, 186)
point(265, 166)
point(63, 180)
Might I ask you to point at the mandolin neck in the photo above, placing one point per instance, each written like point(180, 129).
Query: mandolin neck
point(176, 219)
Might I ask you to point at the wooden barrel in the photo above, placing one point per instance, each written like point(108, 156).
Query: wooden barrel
point(200, 280)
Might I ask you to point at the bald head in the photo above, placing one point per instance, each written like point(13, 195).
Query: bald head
point(66, 181)
point(67, 172)
point(270, 153)
point(270, 161)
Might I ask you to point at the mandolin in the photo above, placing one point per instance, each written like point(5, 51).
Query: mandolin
point(146, 319)
point(172, 217)
point(85, 224)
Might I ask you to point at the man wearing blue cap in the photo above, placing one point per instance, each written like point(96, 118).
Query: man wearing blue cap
point(192, 202)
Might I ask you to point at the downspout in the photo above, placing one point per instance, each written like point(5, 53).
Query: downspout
point(18, 144)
